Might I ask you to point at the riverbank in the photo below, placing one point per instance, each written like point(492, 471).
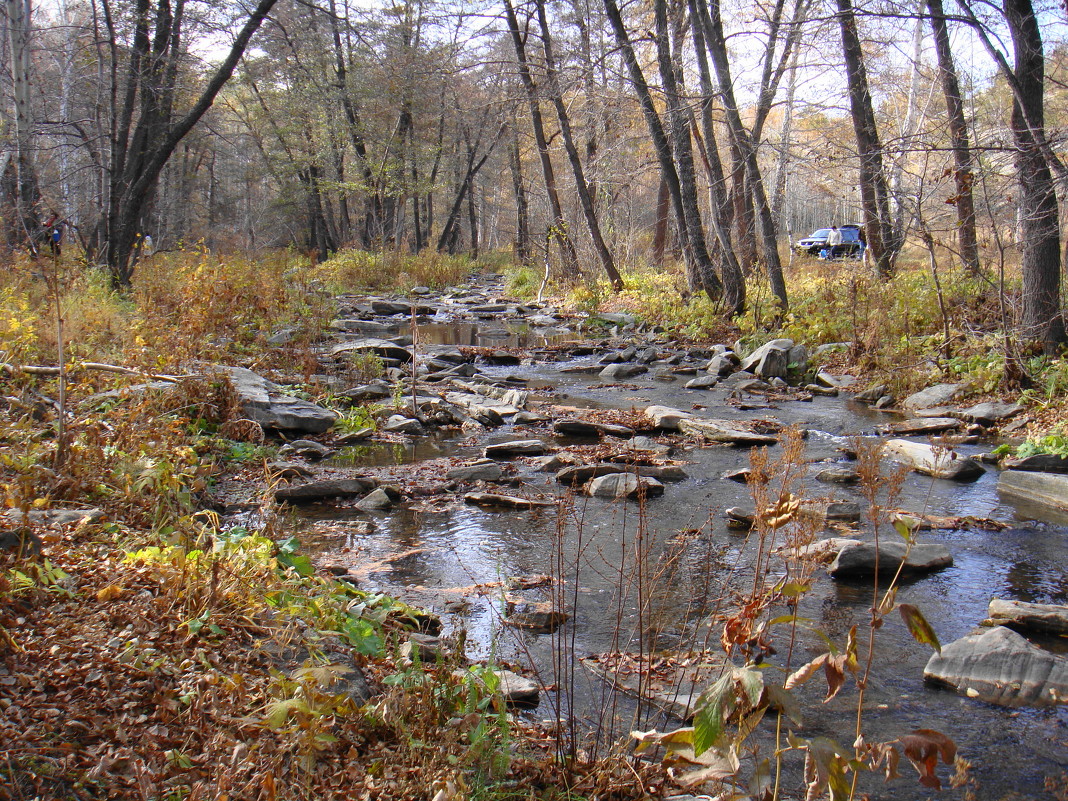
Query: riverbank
point(180, 593)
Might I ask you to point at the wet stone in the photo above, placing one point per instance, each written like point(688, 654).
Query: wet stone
point(538, 617)
point(379, 500)
point(287, 471)
point(923, 426)
point(577, 428)
point(399, 424)
point(858, 561)
point(818, 389)
point(1021, 616)
point(307, 449)
point(990, 413)
point(622, 371)
point(872, 394)
point(1040, 463)
point(321, 490)
point(838, 475)
point(624, 485)
point(495, 500)
point(999, 666)
point(509, 450)
point(487, 470)
point(937, 395)
point(741, 476)
point(702, 382)
point(354, 437)
point(556, 461)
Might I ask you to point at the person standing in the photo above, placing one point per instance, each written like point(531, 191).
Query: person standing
point(834, 242)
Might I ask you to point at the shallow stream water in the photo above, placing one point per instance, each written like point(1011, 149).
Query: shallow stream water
point(677, 561)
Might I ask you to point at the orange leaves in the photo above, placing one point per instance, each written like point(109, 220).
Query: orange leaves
point(923, 748)
point(834, 667)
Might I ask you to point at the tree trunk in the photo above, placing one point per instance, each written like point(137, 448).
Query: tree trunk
point(141, 150)
point(522, 211)
point(559, 225)
point(682, 149)
point(882, 240)
point(694, 248)
point(25, 194)
point(958, 132)
point(719, 200)
point(1040, 234)
point(717, 49)
point(585, 197)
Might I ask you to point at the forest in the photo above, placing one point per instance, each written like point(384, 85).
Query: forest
point(567, 400)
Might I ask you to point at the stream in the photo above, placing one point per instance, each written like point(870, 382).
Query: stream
point(649, 575)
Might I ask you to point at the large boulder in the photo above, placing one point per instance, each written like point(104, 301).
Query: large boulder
point(264, 402)
point(932, 461)
point(999, 666)
point(859, 560)
point(770, 360)
point(937, 395)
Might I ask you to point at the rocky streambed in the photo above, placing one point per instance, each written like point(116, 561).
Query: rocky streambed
point(570, 498)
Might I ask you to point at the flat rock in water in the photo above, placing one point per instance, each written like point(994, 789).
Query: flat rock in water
point(491, 500)
point(702, 382)
point(378, 500)
point(1039, 463)
point(1048, 489)
point(307, 449)
point(921, 426)
point(321, 490)
point(1046, 618)
point(379, 347)
point(556, 461)
point(538, 617)
point(624, 485)
point(399, 424)
point(723, 431)
point(856, 561)
point(263, 401)
point(838, 475)
point(825, 550)
point(577, 428)
point(509, 450)
point(999, 666)
point(937, 395)
point(665, 417)
point(989, 413)
point(479, 471)
point(621, 371)
point(931, 461)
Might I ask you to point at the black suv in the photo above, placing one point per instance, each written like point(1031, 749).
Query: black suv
point(817, 242)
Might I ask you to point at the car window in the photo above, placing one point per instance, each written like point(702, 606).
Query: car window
point(820, 233)
point(850, 235)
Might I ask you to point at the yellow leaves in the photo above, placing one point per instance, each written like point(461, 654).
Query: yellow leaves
point(109, 593)
point(783, 512)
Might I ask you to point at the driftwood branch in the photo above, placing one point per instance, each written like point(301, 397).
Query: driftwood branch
point(30, 369)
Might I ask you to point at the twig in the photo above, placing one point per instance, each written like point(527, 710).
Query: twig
point(31, 369)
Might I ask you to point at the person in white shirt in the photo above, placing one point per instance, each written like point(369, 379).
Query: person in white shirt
point(834, 242)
